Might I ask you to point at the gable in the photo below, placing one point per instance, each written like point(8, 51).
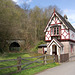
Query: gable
point(59, 44)
point(56, 18)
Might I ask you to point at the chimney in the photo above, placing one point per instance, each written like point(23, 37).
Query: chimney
point(65, 16)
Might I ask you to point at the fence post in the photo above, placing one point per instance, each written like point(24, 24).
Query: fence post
point(45, 59)
point(19, 63)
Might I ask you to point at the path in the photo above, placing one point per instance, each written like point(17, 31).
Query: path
point(64, 69)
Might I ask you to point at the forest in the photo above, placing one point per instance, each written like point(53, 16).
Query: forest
point(23, 23)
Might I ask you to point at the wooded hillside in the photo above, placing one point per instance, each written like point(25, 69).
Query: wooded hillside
point(23, 23)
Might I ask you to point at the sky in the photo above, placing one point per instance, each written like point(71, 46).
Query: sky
point(67, 6)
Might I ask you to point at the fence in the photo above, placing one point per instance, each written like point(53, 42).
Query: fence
point(28, 62)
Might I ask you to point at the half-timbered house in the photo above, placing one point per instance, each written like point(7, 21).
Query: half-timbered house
point(59, 36)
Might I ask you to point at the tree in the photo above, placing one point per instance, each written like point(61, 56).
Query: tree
point(18, 23)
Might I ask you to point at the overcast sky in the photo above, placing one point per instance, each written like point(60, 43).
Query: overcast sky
point(67, 6)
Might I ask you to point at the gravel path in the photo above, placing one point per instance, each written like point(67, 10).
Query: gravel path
point(64, 69)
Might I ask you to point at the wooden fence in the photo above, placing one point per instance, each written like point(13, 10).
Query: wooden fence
point(28, 62)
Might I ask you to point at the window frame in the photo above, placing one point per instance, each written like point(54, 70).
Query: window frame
point(55, 31)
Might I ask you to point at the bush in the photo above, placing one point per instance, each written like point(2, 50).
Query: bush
point(35, 49)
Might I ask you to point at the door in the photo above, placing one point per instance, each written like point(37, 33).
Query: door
point(54, 50)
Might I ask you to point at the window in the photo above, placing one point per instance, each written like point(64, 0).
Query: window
point(51, 31)
point(55, 31)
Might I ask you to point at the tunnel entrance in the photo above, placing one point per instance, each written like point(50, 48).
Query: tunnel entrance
point(14, 47)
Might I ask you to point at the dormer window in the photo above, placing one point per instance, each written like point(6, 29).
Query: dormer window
point(55, 30)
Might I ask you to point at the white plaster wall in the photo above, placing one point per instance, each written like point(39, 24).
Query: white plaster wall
point(54, 22)
point(62, 26)
point(72, 35)
point(58, 21)
point(48, 28)
point(51, 50)
point(48, 35)
point(45, 49)
point(64, 34)
point(58, 50)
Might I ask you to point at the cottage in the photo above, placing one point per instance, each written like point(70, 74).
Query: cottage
point(59, 36)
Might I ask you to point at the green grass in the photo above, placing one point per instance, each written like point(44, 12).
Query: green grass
point(35, 70)
point(10, 63)
point(13, 55)
point(24, 72)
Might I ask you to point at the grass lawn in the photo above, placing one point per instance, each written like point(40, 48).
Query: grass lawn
point(31, 71)
point(35, 70)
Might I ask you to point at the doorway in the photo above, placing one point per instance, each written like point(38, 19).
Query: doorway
point(54, 50)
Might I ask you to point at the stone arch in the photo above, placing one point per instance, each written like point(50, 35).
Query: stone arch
point(14, 46)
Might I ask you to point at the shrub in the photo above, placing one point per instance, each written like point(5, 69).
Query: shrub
point(35, 49)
